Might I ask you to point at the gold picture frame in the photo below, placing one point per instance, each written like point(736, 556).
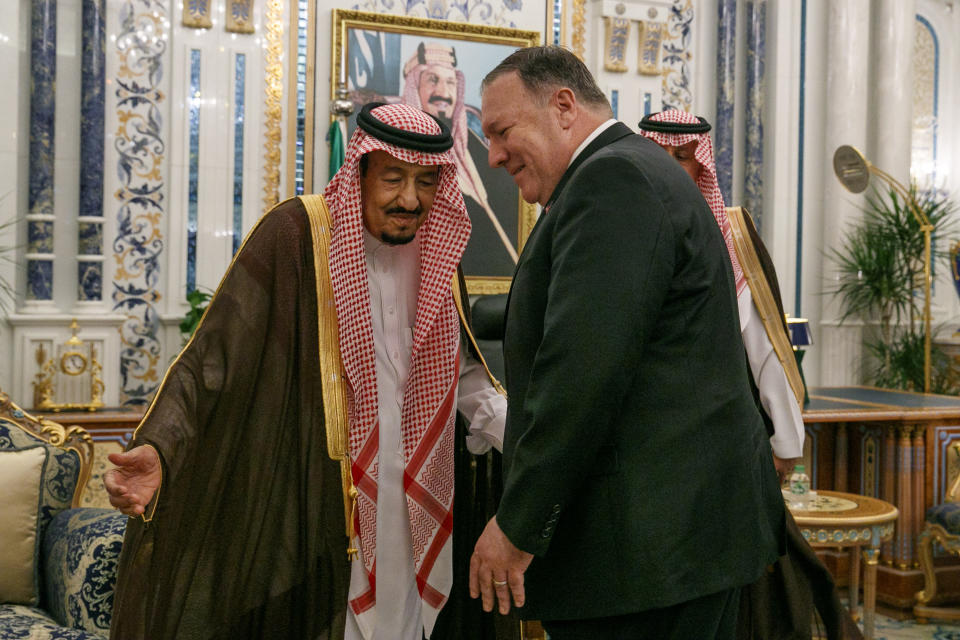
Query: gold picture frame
point(438, 65)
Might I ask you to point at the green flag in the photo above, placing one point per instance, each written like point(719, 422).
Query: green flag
point(337, 138)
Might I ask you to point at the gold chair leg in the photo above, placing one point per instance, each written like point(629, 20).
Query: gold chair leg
point(927, 538)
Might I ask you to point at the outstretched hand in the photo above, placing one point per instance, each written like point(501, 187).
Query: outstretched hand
point(496, 568)
point(137, 477)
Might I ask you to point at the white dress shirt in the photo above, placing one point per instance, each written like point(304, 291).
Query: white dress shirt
point(393, 274)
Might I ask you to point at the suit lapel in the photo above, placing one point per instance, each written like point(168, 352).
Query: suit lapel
point(610, 134)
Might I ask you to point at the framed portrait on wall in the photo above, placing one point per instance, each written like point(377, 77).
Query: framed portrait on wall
point(438, 66)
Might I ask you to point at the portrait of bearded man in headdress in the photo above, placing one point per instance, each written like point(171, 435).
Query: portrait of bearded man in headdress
point(442, 77)
point(433, 82)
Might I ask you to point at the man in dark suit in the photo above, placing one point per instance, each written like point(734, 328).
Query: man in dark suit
point(639, 489)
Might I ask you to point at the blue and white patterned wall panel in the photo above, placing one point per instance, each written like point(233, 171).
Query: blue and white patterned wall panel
point(676, 57)
point(502, 13)
point(139, 152)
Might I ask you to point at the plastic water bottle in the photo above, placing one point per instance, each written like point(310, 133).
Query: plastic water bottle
point(799, 488)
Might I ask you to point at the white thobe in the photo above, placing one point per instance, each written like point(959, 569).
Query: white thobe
point(393, 274)
point(776, 394)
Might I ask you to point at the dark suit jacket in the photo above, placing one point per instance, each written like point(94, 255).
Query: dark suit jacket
point(637, 468)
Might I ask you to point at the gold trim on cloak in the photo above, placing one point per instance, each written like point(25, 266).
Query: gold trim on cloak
point(458, 302)
point(334, 385)
point(763, 299)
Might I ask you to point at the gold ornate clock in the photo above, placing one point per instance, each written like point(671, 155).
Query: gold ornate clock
point(72, 379)
point(73, 361)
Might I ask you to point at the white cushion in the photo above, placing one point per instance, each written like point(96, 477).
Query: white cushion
point(20, 476)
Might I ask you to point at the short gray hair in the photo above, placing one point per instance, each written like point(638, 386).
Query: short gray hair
point(550, 67)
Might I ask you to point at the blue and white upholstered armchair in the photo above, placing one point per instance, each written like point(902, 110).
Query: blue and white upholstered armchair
point(58, 562)
point(942, 527)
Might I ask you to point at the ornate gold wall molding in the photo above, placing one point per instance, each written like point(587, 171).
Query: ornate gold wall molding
point(579, 27)
point(273, 111)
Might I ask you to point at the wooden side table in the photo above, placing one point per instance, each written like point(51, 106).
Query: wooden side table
point(837, 519)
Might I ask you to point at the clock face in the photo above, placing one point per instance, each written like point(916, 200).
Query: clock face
point(73, 363)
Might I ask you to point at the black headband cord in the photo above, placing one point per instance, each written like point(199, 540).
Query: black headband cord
point(437, 143)
point(673, 127)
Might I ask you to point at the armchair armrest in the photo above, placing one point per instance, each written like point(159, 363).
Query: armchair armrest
point(81, 549)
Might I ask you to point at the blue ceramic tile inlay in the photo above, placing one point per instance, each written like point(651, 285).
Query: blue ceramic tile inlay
point(43, 65)
point(557, 22)
point(647, 103)
point(753, 150)
point(726, 85)
point(194, 169)
point(238, 104)
point(90, 281)
point(92, 77)
point(800, 131)
point(39, 279)
point(90, 238)
point(299, 162)
point(615, 102)
point(40, 236)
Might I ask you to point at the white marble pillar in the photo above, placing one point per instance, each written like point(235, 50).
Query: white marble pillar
point(846, 110)
point(893, 32)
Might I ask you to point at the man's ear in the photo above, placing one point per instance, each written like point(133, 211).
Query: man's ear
point(565, 102)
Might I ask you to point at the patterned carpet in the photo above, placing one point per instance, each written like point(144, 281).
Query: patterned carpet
point(890, 629)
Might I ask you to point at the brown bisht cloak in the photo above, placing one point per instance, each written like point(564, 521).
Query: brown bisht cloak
point(246, 536)
point(796, 595)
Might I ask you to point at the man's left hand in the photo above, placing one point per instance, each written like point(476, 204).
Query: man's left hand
point(785, 466)
point(496, 568)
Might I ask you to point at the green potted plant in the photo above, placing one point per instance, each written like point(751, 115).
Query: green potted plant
point(198, 300)
point(880, 276)
point(8, 250)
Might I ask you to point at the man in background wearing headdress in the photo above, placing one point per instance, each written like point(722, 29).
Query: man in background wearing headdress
point(432, 82)
point(781, 603)
point(334, 334)
point(765, 335)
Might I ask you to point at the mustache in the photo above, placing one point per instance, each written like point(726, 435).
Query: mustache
point(403, 211)
point(440, 99)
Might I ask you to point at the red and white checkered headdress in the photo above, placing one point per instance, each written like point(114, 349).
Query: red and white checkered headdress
point(708, 175)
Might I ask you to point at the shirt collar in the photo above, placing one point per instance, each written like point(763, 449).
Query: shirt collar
point(590, 138)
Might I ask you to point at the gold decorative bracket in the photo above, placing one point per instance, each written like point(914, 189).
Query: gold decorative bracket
point(240, 16)
point(615, 43)
point(196, 13)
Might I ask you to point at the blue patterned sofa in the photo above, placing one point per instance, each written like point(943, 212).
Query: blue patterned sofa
point(75, 550)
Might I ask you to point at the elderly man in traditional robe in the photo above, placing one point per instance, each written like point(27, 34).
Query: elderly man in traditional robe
point(313, 412)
